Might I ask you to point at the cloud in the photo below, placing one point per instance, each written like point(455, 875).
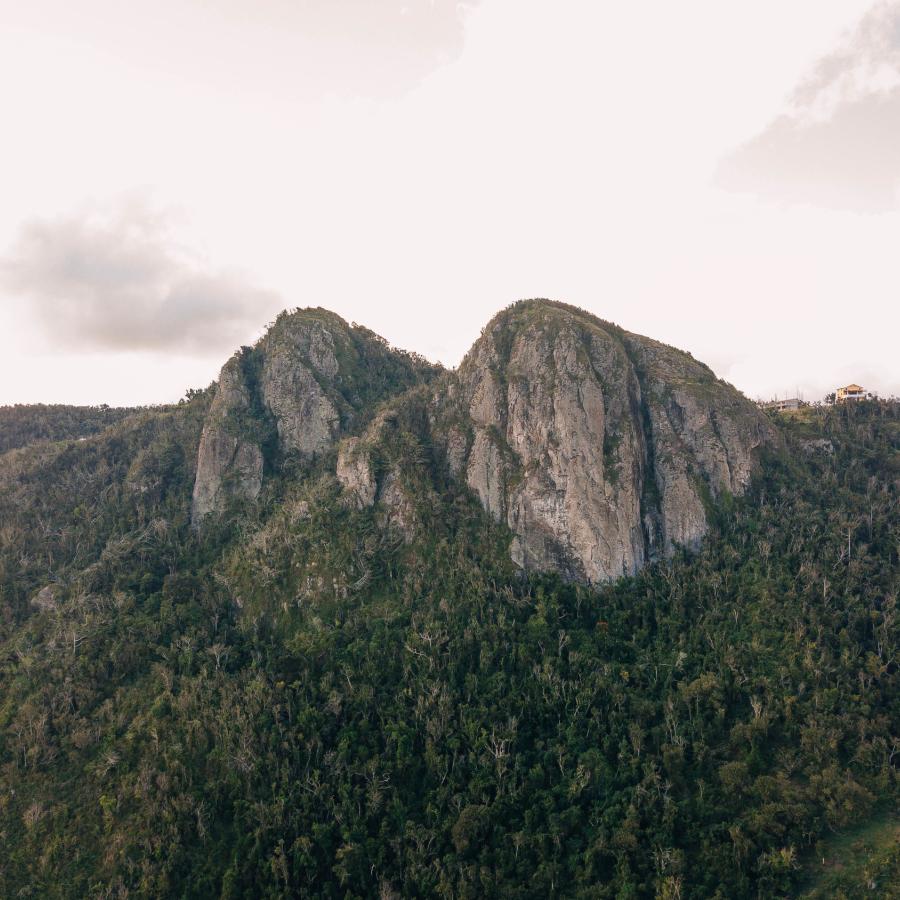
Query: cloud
point(838, 143)
point(374, 47)
point(119, 282)
point(299, 49)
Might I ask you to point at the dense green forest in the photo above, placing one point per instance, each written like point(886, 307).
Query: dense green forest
point(25, 424)
point(298, 703)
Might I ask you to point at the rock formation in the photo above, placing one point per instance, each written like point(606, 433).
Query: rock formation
point(310, 380)
point(354, 472)
point(229, 461)
point(297, 362)
point(599, 449)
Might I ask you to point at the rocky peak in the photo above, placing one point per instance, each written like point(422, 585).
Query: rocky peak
point(310, 380)
point(299, 381)
point(598, 448)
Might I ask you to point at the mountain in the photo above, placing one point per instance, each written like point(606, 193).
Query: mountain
point(311, 379)
point(600, 449)
point(575, 619)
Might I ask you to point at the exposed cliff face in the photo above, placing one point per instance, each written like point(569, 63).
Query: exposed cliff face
point(312, 379)
point(229, 462)
point(297, 362)
point(599, 449)
point(388, 488)
point(354, 472)
point(596, 447)
point(704, 436)
point(540, 413)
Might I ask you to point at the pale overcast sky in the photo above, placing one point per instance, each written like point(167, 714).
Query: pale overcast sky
point(720, 175)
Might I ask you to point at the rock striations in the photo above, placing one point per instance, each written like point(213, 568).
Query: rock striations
point(229, 462)
point(600, 450)
point(311, 379)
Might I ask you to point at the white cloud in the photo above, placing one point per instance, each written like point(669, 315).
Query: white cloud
point(297, 49)
point(119, 282)
point(837, 145)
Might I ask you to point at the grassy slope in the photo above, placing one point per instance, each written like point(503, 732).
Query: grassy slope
point(859, 862)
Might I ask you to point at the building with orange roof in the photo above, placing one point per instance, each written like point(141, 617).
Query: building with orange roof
point(850, 392)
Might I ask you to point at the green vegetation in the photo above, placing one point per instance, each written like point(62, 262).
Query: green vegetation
point(23, 425)
point(861, 862)
point(304, 703)
point(371, 369)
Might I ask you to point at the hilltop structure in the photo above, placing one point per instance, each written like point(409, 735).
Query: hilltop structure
point(850, 393)
point(781, 405)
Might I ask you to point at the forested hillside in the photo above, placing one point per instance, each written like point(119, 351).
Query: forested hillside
point(26, 424)
point(316, 697)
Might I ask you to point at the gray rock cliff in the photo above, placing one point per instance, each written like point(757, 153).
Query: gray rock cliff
point(311, 380)
point(354, 472)
point(598, 448)
point(229, 463)
point(299, 366)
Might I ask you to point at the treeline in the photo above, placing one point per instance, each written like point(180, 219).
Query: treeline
point(25, 424)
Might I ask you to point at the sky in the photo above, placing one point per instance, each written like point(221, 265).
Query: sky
point(719, 175)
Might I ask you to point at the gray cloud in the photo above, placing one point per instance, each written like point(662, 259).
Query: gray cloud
point(375, 47)
point(298, 49)
point(120, 283)
point(838, 143)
